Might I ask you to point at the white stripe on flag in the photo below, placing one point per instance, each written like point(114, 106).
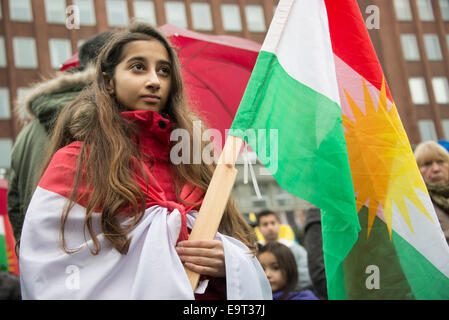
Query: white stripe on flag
point(299, 36)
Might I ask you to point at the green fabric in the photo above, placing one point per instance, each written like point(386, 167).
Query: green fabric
point(3, 253)
point(404, 273)
point(311, 157)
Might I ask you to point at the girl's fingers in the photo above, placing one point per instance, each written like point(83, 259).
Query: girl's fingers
point(200, 243)
point(201, 252)
point(202, 261)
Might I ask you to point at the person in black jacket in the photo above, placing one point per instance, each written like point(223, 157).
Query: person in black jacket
point(313, 239)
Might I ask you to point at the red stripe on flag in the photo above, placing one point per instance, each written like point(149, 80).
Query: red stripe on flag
point(351, 41)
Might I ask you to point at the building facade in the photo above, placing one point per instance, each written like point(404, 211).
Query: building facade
point(412, 41)
point(411, 38)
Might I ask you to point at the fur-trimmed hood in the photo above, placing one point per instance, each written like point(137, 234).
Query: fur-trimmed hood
point(30, 105)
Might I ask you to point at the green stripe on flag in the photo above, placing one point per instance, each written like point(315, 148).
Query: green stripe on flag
point(403, 272)
point(3, 253)
point(310, 160)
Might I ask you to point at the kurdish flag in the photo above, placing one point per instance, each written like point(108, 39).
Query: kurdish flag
point(342, 146)
point(8, 258)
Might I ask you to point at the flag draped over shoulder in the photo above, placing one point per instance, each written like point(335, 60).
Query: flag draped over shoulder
point(341, 145)
point(8, 258)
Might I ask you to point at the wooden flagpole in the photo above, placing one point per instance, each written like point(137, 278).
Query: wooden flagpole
point(216, 198)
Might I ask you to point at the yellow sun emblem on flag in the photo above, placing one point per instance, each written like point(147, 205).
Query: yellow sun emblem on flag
point(383, 166)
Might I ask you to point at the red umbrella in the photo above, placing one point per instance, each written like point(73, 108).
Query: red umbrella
point(216, 70)
point(72, 62)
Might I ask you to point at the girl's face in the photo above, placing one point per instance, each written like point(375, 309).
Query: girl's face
point(142, 79)
point(272, 270)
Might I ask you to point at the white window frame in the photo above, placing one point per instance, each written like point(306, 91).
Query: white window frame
point(176, 14)
point(425, 10)
point(5, 104)
point(417, 84)
point(201, 16)
point(55, 58)
point(5, 154)
point(427, 130)
point(3, 60)
point(110, 11)
point(255, 18)
point(410, 47)
point(13, 5)
point(227, 12)
point(445, 125)
point(403, 10)
point(55, 14)
point(31, 61)
point(444, 8)
point(86, 11)
point(432, 46)
point(440, 89)
point(145, 11)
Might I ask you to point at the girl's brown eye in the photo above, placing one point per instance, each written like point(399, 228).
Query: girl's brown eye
point(137, 66)
point(164, 70)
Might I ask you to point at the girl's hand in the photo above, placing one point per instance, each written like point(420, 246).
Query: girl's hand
point(205, 257)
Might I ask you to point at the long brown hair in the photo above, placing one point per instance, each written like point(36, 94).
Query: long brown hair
point(287, 264)
point(108, 148)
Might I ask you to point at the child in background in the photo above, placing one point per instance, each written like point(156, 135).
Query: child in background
point(280, 267)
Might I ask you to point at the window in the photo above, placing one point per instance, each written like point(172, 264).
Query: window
point(255, 18)
point(117, 11)
point(176, 13)
point(24, 53)
point(2, 52)
point(20, 10)
point(5, 110)
point(425, 11)
point(444, 8)
point(60, 51)
point(22, 91)
point(144, 11)
point(283, 198)
point(410, 47)
point(447, 41)
point(418, 90)
point(441, 89)
point(230, 14)
point(427, 130)
point(5, 152)
point(403, 10)
point(432, 45)
point(264, 202)
point(55, 11)
point(445, 123)
point(87, 12)
point(201, 16)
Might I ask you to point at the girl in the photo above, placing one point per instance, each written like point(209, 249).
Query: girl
point(280, 267)
point(110, 207)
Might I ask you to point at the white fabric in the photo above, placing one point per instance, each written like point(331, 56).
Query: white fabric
point(150, 270)
point(299, 37)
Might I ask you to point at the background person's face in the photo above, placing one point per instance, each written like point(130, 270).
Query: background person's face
point(435, 171)
point(269, 227)
point(272, 270)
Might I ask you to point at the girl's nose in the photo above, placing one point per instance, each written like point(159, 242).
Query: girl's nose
point(153, 80)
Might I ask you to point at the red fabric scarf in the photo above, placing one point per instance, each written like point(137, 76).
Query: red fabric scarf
point(154, 141)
